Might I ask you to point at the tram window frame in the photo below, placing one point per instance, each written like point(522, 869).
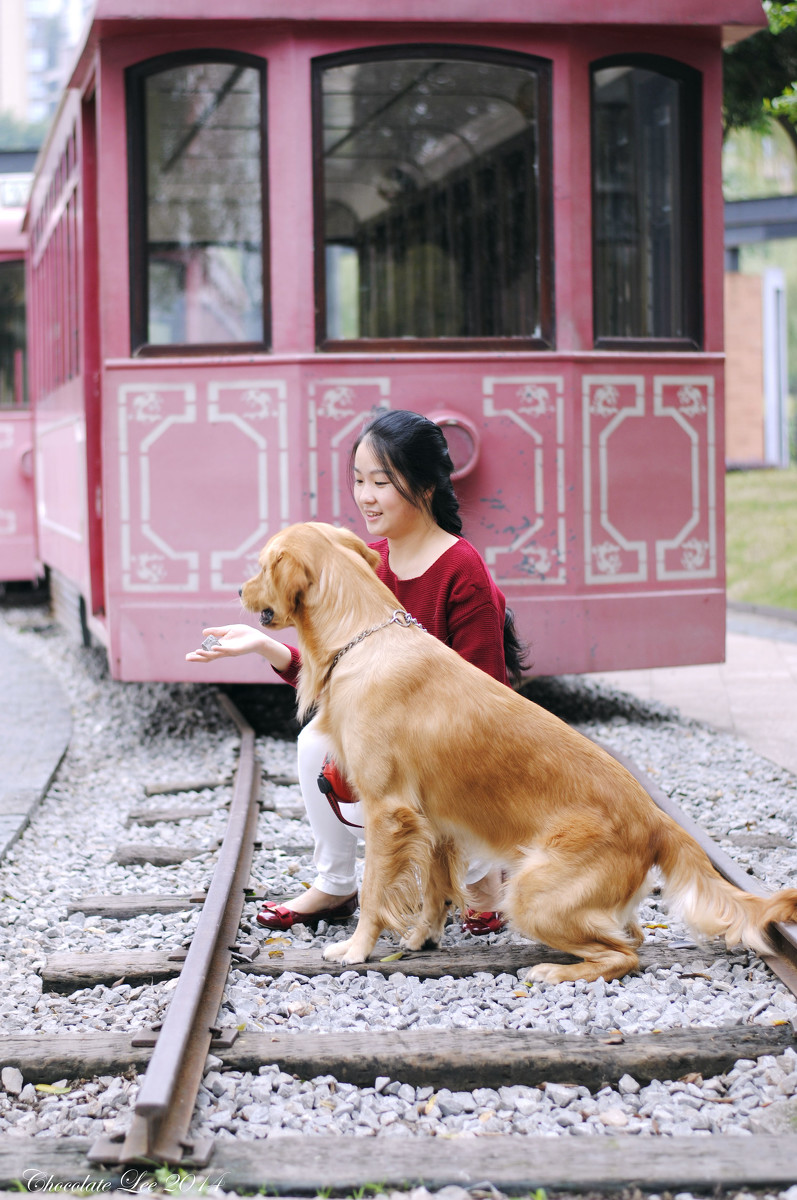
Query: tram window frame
point(13, 359)
point(139, 249)
point(690, 225)
point(464, 52)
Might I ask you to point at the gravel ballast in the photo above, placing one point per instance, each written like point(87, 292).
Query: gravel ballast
point(126, 736)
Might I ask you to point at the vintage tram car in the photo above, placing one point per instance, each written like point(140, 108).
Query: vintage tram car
point(254, 223)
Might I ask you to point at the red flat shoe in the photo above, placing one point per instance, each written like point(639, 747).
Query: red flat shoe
point(480, 923)
point(277, 916)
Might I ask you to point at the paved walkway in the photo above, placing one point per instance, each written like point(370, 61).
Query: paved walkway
point(753, 694)
point(35, 727)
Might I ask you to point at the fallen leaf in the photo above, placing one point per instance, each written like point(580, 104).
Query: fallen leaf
point(655, 925)
point(393, 957)
point(276, 953)
point(52, 1090)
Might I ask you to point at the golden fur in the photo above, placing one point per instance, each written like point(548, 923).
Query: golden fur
point(450, 763)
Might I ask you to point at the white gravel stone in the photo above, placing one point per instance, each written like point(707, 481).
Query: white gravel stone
point(12, 1080)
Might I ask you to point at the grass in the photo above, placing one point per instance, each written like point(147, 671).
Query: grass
point(761, 537)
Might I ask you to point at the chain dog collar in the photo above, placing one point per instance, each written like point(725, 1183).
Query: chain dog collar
point(400, 617)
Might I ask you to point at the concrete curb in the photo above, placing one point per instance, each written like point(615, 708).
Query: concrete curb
point(35, 728)
point(763, 610)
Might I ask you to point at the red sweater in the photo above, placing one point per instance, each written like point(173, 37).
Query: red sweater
point(455, 599)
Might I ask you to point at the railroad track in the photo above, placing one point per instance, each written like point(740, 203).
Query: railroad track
point(174, 1058)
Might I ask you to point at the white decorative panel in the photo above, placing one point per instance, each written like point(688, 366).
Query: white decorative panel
point(688, 400)
point(610, 555)
point(527, 546)
point(203, 481)
point(259, 412)
point(337, 407)
point(146, 413)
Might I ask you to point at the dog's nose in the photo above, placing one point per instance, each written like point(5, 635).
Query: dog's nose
point(240, 591)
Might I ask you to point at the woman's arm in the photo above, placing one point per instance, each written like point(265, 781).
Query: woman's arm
point(242, 639)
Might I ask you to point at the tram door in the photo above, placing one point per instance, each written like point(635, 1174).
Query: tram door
point(91, 357)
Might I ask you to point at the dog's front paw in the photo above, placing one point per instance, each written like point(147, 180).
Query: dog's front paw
point(343, 952)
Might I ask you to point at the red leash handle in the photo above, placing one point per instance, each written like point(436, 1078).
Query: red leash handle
point(336, 789)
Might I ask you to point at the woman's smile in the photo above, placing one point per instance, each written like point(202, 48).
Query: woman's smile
point(385, 511)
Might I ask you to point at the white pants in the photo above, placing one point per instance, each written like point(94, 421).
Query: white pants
point(335, 855)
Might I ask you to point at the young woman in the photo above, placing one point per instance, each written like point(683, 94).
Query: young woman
point(401, 480)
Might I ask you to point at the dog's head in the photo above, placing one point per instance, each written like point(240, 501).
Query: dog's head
point(294, 565)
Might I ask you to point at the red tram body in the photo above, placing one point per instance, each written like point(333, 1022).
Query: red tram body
point(18, 560)
point(253, 223)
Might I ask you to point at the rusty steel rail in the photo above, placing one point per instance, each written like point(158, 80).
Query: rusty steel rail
point(784, 937)
point(166, 1099)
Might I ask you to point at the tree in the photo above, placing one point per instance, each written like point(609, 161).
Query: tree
point(760, 74)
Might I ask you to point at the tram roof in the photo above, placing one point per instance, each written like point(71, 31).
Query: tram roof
point(736, 18)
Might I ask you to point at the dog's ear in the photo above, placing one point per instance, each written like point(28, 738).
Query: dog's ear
point(350, 541)
point(291, 579)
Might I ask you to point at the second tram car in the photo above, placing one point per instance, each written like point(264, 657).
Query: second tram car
point(18, 559)
point(253, 224)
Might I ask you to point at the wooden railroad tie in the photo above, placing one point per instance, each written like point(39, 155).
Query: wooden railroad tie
point(154, 816)
point(454, 1058)
point(68, 972)
point(138, 853)
point(131, 904)
point(294, 1165)
point(184, 785)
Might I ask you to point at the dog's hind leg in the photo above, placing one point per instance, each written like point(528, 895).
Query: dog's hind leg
point(574, 911)
point(441, 889)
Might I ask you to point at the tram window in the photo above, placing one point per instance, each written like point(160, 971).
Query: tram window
point(433, 204)
point(197, 202)
point(12, 334)
point(646, 203)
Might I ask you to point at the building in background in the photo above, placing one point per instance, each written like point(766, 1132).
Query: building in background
point(37, 40)
point(13, 59)
point(760, 187)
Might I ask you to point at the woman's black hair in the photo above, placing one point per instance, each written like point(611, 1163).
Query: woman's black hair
point(413, 453)
point(516, 653)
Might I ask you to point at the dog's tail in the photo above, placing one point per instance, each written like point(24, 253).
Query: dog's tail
point(707, 903)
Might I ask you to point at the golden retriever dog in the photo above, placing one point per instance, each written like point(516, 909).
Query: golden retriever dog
point(449, 763)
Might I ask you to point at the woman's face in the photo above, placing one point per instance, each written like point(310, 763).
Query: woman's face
point(384, 509)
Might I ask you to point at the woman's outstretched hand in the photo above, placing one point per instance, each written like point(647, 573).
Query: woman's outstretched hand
point(228, 641)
